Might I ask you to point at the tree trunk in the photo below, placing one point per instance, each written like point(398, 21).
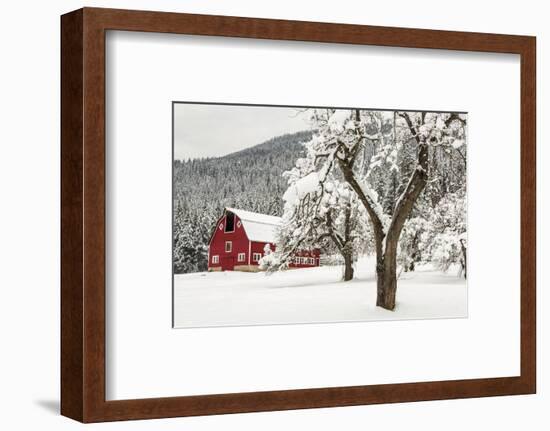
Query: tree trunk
point(345, 244)
point(348, 267)
point(414, 255)
point(463, 260)
point(386, 276)
point(386, 288)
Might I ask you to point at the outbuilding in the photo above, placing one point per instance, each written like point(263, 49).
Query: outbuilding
point(239, 241)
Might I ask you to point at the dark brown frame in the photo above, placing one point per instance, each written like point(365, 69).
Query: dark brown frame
point(83, 214)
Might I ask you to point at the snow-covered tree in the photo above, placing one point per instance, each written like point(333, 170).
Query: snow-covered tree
point(320, 211)
point(410, 249)
point(446, 239)
point(190, 243)
point(359, 143)
point(345, 224)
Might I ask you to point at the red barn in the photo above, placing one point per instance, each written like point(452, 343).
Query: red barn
point(239, 239)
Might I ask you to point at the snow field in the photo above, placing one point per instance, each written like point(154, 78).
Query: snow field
point(312, 295)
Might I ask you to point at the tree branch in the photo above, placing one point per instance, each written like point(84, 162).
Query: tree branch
point(416, 184)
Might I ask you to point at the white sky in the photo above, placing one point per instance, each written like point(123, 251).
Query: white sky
point(203, 130)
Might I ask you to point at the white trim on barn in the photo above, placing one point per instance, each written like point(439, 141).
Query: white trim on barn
point(214, 231)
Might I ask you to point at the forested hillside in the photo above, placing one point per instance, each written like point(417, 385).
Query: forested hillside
point(250, 179)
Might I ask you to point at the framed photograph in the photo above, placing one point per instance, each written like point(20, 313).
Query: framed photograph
point(266, 215)
point(286, 214)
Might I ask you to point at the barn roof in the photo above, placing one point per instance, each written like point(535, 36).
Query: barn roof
point(258, 227)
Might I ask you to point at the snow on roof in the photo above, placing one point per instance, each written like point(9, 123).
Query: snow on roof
point(258, 227)
point(302, 187)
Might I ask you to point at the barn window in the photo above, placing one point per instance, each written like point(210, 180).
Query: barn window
point(216, 259)
point(229, 222)
point(228, 246)
point(240, 257)
point(256, 257)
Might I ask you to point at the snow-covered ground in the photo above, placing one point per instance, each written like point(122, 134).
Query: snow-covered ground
point(312, 295)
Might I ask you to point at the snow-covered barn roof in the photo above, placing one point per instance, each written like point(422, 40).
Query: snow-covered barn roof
point(258, 227)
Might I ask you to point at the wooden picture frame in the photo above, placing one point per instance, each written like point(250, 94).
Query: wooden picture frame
point(83, 334)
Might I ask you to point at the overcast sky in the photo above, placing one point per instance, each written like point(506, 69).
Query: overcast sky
point(202, 130)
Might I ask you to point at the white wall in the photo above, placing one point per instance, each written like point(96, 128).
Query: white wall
point(29, 214)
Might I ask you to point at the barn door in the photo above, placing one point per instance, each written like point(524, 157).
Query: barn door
point(228, 263)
